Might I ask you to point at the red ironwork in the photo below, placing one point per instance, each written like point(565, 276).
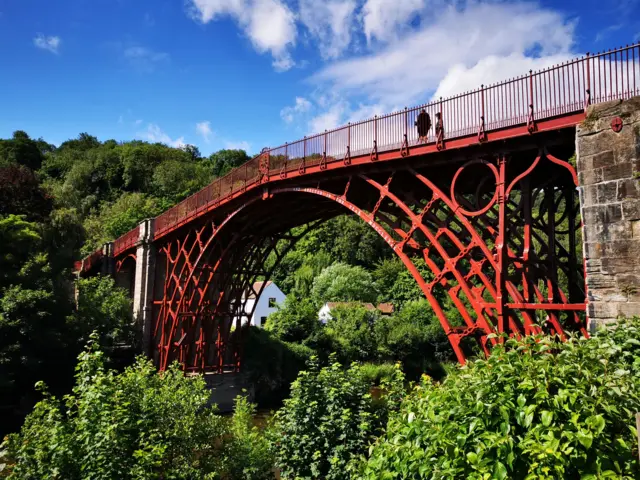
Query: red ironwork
point(126, 241)
point(480, 245)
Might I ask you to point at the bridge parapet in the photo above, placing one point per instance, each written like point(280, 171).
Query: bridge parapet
point(608, 161)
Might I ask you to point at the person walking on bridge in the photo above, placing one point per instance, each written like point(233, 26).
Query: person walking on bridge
point(423, 122)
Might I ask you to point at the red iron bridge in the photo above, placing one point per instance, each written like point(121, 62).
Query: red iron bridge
point(484, 212)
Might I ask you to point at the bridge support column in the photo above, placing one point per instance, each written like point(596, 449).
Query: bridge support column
point(107, 260)
point(608, 161)
point(143, 282)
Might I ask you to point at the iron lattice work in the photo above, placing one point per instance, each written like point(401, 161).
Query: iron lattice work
point(493, 242)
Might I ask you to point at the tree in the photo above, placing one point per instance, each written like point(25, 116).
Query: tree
point(344, 283)
point(32, 328)
point(224, 160)
point(103, 309)
point(352, 331)
point(21, 150)
point(536, 408)
point(21, 193)
point(295, 320)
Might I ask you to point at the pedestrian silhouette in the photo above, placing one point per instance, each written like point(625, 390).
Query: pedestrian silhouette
point(423, 123)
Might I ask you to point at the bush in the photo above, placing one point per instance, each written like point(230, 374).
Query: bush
point(344, 283)
point(248, 452)
point(295, 321)
point(272, 365)
point(375, 374)
point(351, 329)
point(535, 409)
point(330, 419)
point(134, 425)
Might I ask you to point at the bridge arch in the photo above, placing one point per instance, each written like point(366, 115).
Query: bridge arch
point(495, 239)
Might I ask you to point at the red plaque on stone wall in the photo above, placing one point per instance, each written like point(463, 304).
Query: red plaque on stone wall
point(616, 124)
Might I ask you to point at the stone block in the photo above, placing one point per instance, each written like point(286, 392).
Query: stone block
point(602, 159)
point(603, 310)
point(629, 309)
point(614, 266)
point(593, 250)
point(612, 213)
point(589, 177)
point(599, 281)
point(594, 144)
point(617, 171)
point(628, 188)
point(589, 194)
point(631, 210)
point(621, 248)
point(593, 215)
point(607, 192)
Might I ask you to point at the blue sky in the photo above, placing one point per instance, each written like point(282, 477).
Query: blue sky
point(255, 73)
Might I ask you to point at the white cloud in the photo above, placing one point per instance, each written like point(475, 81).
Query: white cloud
point(330, 22)
point(328, 120)
point(144, 59)
point(154, 133)
point(137, 122)
point(51, 44)
point(382, 19)
point(269, 24)
point(302, 105)
point(411, 68)
point(242, 145)
point(204, 130)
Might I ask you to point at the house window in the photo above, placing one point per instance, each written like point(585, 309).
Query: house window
point(272, 302)
point(263, 321)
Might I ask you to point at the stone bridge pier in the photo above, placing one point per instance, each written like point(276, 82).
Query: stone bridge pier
point(608, 164)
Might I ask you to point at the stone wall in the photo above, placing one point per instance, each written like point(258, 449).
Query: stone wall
point(609, 176)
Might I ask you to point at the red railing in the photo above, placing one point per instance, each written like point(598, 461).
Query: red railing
point(560, 90)
point(126, 241)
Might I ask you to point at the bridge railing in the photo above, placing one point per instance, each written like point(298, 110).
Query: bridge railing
point(559, 90)
point(126, 241)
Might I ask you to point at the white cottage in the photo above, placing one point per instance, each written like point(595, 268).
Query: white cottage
point(265, 305)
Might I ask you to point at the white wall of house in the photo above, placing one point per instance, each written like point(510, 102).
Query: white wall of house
point(324, 315)
point(271, 297)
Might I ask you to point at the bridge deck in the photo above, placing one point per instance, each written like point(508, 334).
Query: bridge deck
point(548, 99)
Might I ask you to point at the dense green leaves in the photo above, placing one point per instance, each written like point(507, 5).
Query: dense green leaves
point(330, 418)
point(535, 409)
point(136, 425)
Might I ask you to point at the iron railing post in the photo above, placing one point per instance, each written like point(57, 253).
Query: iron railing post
point(587, 100)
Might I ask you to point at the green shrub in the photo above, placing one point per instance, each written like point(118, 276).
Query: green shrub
point(330, 419)
point(248, 452)
point(135, 425)
point(272, 365)
point(376, 373)
point(535, 409)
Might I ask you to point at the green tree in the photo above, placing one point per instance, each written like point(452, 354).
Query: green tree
point(295, 320)
point(351, 329)
point(224, 160)
point(344, 283)
point(105, 309)
point(21, 150)
point(329, 419)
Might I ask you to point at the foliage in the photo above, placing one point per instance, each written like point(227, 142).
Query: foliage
point(535, 409)
point(138, 424)
point(104, 308)
point(295, 320)
point(22, 194)
point(32, 331)
point(271, 379)
point(352, 331)
point(248, 452)
point(344, 283)
point(223, 161)
point(377, 373)
point(330, 418)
